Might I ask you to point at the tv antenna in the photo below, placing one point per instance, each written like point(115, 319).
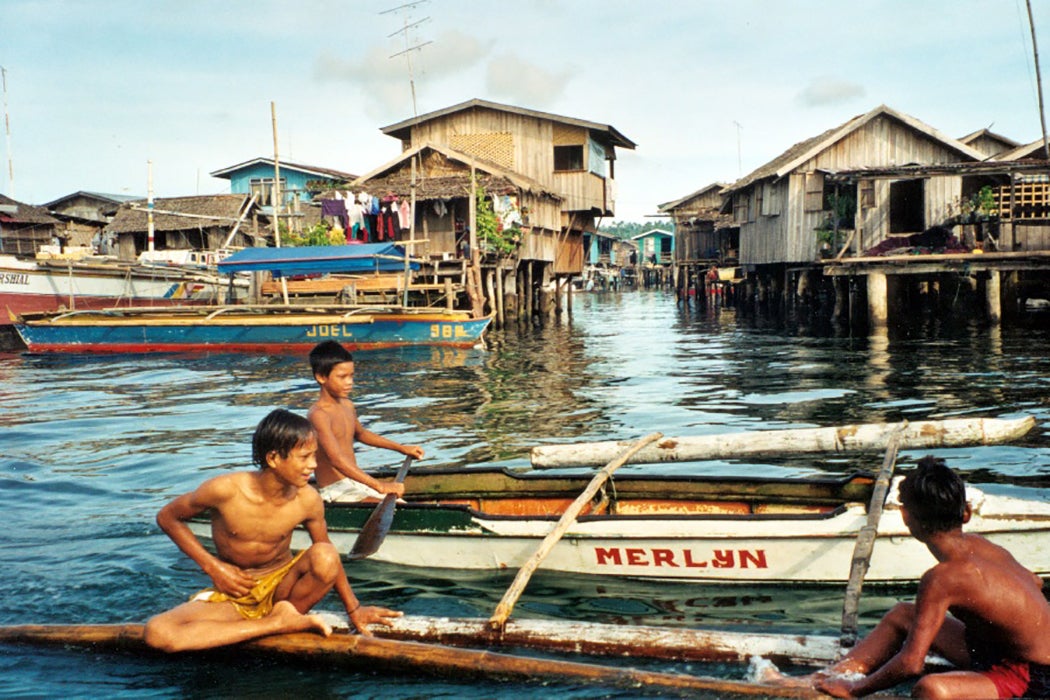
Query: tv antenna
point(409, 50)
point(739, 160)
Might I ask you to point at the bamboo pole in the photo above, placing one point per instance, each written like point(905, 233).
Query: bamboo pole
point(1038, 81)
point(865, 544)
point(860, 437)
point(506, 605)
point(277, 197)
point(356, 651)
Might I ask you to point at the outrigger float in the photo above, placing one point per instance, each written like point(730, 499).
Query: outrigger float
point(356, 652)
point(264, 328)
point(698, 528)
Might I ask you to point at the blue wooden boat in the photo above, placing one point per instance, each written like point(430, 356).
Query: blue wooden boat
point(260, 328)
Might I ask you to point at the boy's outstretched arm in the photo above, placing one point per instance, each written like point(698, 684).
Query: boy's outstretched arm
point(360, 616)
point(341, 456)
point(371, 439)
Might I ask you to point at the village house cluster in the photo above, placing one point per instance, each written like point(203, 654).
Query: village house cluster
point(502, 205)
point(881, 215)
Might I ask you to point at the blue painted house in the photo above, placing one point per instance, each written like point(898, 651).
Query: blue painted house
point(599, 247)
point(298, 182)
point(655, 246)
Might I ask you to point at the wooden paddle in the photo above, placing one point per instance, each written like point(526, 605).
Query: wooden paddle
point(378, 524)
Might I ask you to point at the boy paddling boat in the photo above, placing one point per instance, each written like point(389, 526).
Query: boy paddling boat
point(259, 587)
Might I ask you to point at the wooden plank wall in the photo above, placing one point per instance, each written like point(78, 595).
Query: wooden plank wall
point(788, 237)
point(533, 154)
point(532, 147)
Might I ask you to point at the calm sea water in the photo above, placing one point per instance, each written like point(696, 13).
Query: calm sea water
point(92, 446)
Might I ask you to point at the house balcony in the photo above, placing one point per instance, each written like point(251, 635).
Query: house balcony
point(584, 191)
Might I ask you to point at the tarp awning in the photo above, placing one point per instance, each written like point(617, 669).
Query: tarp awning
point(313, 260)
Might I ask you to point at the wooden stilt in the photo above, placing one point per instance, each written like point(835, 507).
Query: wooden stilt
point(993, 302)
point(878, 308)
point(500, 309)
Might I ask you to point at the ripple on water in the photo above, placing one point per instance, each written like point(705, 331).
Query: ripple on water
point(85, 464)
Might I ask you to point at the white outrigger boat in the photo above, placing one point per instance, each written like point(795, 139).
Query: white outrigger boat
point(700, 528)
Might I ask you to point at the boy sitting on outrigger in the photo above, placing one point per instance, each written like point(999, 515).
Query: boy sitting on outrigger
point(977, 607)
point(335, 419)
point(260, 588)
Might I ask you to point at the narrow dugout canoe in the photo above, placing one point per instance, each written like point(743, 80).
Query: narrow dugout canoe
point(865, 437)
point(349, 651)
point(682, 528)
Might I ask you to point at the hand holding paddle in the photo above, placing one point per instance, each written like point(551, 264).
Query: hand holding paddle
point(378, 524)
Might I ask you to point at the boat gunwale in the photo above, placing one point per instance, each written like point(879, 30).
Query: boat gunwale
point(628, 517)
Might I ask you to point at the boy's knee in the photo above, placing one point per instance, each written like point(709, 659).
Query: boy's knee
point(158, 634)
point(325, 562)
point(902, 614)
point(931, 688)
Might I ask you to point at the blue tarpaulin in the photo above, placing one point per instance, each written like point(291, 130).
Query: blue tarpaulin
point(315, 260)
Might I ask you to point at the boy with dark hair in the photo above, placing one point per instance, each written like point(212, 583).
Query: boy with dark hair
point(334, 417)
point(977, 607)
point(259, 587)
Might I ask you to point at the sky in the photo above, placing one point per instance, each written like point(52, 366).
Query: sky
point(708, 90)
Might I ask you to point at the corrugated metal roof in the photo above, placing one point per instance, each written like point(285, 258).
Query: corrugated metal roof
point(402, 129)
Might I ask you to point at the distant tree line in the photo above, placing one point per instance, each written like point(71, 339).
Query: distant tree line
point(629, 229)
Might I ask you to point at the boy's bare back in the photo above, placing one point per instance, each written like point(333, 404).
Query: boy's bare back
point(1001, 602)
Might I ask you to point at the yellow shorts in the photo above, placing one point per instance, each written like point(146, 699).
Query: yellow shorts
point(256, 603)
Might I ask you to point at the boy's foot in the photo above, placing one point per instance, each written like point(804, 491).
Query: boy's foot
point(294, 621)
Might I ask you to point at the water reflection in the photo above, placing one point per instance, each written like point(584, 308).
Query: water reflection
point(92, 446)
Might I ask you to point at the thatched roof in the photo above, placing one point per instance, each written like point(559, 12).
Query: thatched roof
point(188, 213)
point(26, 214)
point(445, 173)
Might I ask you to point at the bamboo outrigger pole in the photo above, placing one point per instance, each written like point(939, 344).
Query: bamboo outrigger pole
point(355, 651)
point(866, 540)
point(506, 605)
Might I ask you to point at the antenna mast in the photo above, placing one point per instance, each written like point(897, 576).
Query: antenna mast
point(407, 51)
point(7, 130)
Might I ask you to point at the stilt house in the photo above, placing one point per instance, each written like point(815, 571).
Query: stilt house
point(571, 159)
point(785, 207)
point(702, 233)
point(24, 227)
point(205, 223)
point(988, 142)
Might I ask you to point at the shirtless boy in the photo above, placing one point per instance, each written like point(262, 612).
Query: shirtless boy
point(260, 588)
point(335, 420)
point(977, 607)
